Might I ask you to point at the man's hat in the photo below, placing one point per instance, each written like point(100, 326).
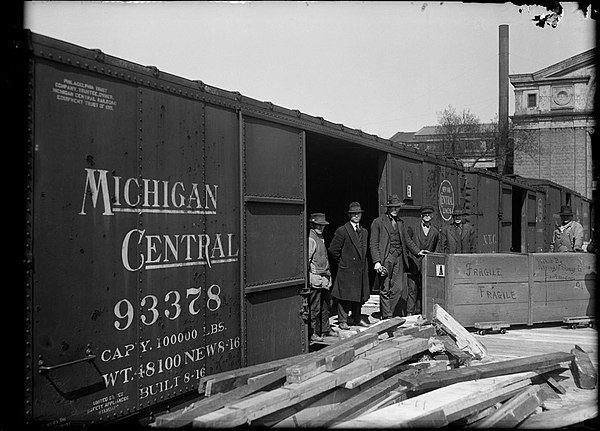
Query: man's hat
point(318, 218)
point(565, 210)
point(393, 201)
point(354, 207)
point(426, 209)
point(458, 212)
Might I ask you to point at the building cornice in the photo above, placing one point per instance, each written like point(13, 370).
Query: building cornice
point(528, 80)
point(565, 115)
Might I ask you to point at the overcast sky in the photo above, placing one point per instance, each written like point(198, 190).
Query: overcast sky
point(381, 67)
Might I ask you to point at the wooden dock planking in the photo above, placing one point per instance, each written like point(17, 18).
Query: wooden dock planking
point(526, 341)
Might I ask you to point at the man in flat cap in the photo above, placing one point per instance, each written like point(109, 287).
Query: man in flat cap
point(351, 286)
point(319, 274)
point(390, 246)
point(568, 236)
point(459, 236)
point(426, 237)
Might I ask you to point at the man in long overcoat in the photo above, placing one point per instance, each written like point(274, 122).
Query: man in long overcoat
point(459, 237)
point(390, 245)
point(351, 285)
point(426, 237)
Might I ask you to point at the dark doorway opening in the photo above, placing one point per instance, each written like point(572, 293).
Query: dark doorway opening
point(338, 173)
point(519, 196)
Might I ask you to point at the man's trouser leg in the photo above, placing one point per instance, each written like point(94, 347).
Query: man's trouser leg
point(343, 309)
point(400, 289)
point(325, 302)
point(315, 308)
point(390, 289)
point(413, 293)
point(356, 309)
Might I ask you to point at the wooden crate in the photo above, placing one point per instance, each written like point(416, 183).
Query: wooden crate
point(513, 287)
point(563, 285)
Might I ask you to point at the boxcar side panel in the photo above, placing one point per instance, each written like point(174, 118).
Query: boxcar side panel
point(221, 143)
point(440, 190)
point(486, 192)
point(274, 223)
point(80, 149)
point(506, 218)
point(136, 253)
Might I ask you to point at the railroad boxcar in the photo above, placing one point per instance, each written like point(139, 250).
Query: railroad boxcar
point(551, 196)
point(166, 226)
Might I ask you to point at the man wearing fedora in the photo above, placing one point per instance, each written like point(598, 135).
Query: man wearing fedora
point(568, 236)
point(426, 237)
point(351, 286)
point(390, 245)
point(459, 236)
point(319, 297)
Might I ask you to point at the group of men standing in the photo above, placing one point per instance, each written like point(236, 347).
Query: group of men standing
point(395, 249)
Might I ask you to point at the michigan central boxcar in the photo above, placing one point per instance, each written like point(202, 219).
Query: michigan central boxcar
point(167, 223)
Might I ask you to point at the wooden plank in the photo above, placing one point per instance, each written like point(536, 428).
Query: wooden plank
point(542, 363)
point(330, 359)
point(424, 331)
point(473, 404)
point(467, 314)
point(317, 362)
point(289, 414)
point(498, 296)
point(555, 385)
point(463, 358)
point(254, 407)
point(321, 406)
point(185, 416)
point(464, 340)
point(583, 370)
point(514, 410)
point(385, 372)
point(228, 380)
point(474, 417)
point(357, 402)
point(563, 417)
point(455, 400)
point(563, 266)
point(489, 268)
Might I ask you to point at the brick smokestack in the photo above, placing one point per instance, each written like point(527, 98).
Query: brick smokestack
point(504, 151)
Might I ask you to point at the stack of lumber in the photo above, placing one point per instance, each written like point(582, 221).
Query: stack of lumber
point(429, 374)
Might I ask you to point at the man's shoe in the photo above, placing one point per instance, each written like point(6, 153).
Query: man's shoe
point(315, 337)
point(363, 323)
point(344, 326)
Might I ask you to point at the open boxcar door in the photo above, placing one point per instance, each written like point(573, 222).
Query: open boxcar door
point(273, 230)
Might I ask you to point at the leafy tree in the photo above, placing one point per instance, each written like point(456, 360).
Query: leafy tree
point(459, 132)
point(463, 136)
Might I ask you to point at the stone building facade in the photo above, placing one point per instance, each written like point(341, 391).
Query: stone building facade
point(553, 123)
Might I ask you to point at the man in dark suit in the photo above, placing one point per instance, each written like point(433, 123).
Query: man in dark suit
point(459, 237)
point(351, 285)
point(390, 246)
point(426, 237)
